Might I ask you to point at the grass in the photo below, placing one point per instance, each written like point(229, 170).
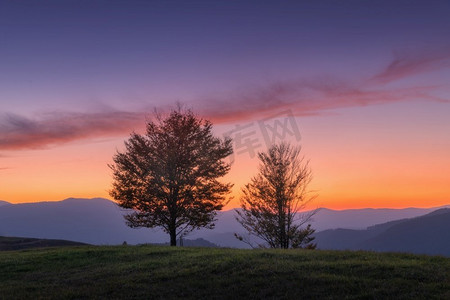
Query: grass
point(18, 243)
point(159, 272)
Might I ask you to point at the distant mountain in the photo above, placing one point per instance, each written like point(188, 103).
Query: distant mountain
point(19, 243)
point(428, 234)
point(100, 221)
point(4, 203)
point(198, 243)
point(222, 239)
point(362, 218)
point(226, 226)
point(93, 221)
point(195, 243)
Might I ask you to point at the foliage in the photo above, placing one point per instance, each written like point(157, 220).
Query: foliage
point(272, 200)
point(135, 272)
point(169, 175)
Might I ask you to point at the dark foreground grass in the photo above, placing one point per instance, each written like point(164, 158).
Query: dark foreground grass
point(151, 272)
point(19, 243)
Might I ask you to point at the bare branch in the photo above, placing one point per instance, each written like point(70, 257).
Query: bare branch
point(272, 201)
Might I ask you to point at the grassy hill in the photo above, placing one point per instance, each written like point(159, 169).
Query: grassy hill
point(164, 272)
point(18, 243)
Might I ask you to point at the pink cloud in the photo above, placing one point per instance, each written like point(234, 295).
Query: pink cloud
point(305, 99)
point(18, 132)
point(302, 97)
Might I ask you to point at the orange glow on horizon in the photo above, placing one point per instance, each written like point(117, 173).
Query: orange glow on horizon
point(386, 165)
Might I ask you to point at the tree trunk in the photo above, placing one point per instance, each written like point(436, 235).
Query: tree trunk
point(173, 237)
point(173, 219)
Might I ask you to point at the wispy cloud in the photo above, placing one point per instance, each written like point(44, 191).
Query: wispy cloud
point(302, 97)
point(305, 98)
point(17, 132)
point(315, 96)
point(407, 64)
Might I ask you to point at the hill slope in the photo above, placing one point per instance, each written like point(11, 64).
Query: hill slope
point(429, 234)
point(19, 243)
point(132, 272)
point(363, 218)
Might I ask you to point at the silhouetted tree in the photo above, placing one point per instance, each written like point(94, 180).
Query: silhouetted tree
point(272, 200)
point(169, 175)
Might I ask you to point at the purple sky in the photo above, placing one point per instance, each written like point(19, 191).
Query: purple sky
point(74, 71)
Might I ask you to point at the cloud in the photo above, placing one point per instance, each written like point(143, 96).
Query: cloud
point(306, 98)
point(17, 132)
point(318, 95)
point(409, 64)
point(302, 97)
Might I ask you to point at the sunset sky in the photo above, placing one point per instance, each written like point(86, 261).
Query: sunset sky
point(366, 83)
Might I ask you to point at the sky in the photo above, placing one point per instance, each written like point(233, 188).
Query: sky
point(362, 86)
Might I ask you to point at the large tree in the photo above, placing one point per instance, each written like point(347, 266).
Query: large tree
point(169, 175)
point(272, 200)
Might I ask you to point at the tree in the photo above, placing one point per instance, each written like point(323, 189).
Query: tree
point(272, 200)
point(169, 175)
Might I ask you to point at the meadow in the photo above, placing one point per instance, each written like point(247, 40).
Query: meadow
point(162, 272)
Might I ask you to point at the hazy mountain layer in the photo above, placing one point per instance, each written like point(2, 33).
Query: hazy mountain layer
point(428, 234)
point(100, 221)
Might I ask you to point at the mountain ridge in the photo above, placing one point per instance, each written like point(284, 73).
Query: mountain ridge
point(2, 202)
point(100, 221)
point(427, 234)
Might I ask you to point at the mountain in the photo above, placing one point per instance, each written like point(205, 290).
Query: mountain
point(428, 234)
point(222, 239)
point(198, 243)
point(100, 221)
point(93, 221)
point(19, 243)
point(326, 218)
point(4, 203)
point(362, 218)
point(226, 226)
point(194, 243)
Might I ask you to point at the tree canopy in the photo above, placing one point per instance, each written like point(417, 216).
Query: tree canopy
point(169, 175)
point(272, 200)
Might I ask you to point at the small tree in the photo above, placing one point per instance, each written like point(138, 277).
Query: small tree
point(272, 200)
point(169, 175)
